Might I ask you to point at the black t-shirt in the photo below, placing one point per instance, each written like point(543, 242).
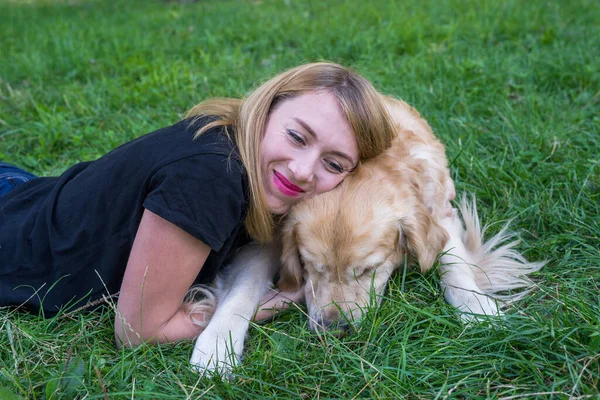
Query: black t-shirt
point(67, 239)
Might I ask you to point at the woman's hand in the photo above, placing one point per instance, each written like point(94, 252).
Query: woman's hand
point(163, 264)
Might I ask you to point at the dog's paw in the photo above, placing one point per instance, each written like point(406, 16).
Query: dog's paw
point(213, 353)
point(478, 307)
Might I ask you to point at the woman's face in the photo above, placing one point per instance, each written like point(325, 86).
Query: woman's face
point(307, 149)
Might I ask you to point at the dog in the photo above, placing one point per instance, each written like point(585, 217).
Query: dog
point(343, 246)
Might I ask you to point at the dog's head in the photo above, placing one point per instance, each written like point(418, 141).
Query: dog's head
point(345, 244)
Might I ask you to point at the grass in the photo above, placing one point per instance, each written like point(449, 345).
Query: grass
point(511, 88)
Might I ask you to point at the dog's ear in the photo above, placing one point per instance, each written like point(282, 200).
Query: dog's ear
point(290, 274)
point(422, 237)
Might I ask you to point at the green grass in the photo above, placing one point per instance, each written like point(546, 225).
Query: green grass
point(511, 88)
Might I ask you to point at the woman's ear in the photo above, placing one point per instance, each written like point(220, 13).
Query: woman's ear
point(422, 237)
point(290, 274)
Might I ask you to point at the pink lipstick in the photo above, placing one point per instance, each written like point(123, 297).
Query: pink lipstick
point(284, 186)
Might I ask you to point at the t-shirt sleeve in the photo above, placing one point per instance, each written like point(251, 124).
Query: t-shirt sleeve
point(202, 194)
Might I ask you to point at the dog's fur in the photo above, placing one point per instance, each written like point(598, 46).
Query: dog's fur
point(345, 245)
point(227, 307)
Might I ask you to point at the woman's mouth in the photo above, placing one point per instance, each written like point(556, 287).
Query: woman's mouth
point(284, 186)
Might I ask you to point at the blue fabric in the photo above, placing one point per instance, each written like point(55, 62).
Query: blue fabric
point(11, 177)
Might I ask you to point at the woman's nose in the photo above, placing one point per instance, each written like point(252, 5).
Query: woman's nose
point(303, 168)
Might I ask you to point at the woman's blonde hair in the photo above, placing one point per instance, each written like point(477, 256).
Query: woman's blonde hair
point(246, 119)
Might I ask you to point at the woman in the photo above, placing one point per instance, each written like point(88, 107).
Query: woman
point(165, 211)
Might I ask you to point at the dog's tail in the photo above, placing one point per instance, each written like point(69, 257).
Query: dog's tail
point(500, 270)
point(200, 303)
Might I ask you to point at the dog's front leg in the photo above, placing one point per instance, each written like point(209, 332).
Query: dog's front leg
point(239, 290)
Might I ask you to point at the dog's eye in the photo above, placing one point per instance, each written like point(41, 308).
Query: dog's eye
point(320, 268)
point(359, 271)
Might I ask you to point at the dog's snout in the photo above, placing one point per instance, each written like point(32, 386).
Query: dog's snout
point(337, 327)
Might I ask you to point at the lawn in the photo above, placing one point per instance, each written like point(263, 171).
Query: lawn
point(511, 87)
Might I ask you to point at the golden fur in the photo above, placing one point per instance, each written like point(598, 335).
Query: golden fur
point(344, 243)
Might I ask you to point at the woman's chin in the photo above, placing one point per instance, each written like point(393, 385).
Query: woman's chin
point(278, 206)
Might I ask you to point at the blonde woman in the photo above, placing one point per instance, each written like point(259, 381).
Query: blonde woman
point(165, 211)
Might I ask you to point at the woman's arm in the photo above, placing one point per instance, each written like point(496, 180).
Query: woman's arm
point(163, 264)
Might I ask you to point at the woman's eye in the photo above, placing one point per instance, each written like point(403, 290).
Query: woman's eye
point(295, 136)
point(334, 166)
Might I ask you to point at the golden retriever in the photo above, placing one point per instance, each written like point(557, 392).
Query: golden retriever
point(345, 245)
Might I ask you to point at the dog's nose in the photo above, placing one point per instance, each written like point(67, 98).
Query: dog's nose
point(335, 327)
